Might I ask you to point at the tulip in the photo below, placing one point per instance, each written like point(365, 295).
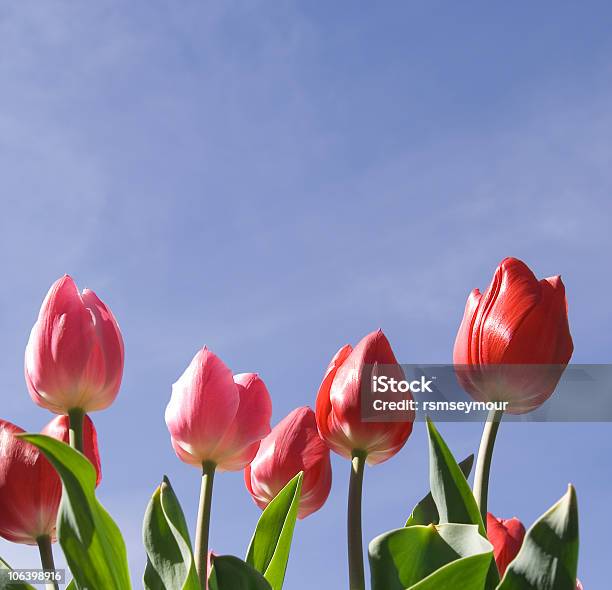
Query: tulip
point(216, 418)
point(518, 321)
point(338, 413)
point(216, 421)
point(30, 489)
point(74, 357)
point(294, 445)
point(338, 409)
point(506, 536)
point(513, 345)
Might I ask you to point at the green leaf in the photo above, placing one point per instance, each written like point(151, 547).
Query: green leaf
point(271, 542)
point(170, 563)
point(449, 487)
point(451, 491)
point(91, 541)
point(231, 573)
point(548, 559)
point(425, 512)
point(428, 557)
point(4, 582)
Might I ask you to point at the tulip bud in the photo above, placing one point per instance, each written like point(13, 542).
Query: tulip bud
point(338, 409)
point(294, 445)
point(506, 536)
point(30, 489)
point(517, 321)
point(214, 417)
point(74, 357)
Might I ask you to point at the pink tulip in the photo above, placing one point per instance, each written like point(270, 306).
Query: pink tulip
point(294, 445)
point(214, 417)
point(30, 489)
point(74, 357)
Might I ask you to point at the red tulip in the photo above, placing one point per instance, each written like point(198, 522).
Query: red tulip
point(74, 357)
point(517, 321)
point(338, 409)
point(30, 489)
point(506, 536)
point(59, 428)
point(214, 417)
point(294, 445)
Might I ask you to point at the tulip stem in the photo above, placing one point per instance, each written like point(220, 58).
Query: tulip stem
point(203, 526)
point(355, 542)
point(483, 463)
point(46, 558)
point(76, 416)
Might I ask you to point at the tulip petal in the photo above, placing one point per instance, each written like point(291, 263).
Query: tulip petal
point(251, 423)
point(463, 348)
point(335, 437)
point(544, 333)
point(513, 293)
point(106, 368)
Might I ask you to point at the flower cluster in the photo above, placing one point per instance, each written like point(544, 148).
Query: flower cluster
point(219, 421)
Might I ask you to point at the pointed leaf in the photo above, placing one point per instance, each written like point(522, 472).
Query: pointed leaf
point(271, 542)
point(425, 512)
point(449, 487)
point(428, 556)
point(231, 573)
point(548, 559)
point(91, 541)
point(170, 563)
point(451, 491)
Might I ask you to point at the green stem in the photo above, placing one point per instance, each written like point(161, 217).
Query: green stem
point(203, 526)
point(76, 416)
point(46, 558)
point(355, 543)
point(483, 463)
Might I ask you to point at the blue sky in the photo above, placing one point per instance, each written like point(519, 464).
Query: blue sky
point(275, 180)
